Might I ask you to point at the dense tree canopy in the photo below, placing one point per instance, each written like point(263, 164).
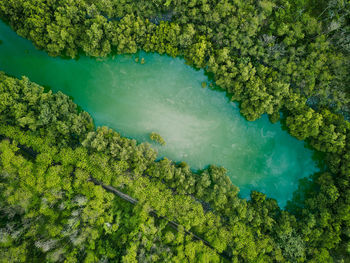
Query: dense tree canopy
point(45, 181)
point(260, 51)
point(268, 55)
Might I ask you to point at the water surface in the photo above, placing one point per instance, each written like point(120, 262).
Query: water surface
point(199, 125)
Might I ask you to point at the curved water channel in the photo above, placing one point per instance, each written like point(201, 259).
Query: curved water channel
point(200, 126)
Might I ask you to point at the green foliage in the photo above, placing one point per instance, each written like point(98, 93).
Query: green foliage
point(45, 187)
point(24, 104)
point(268, 55)
point(157, 138)
point(272, 45)
point(304, 125)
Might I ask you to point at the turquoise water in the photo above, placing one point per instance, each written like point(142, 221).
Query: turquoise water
point(200, 126)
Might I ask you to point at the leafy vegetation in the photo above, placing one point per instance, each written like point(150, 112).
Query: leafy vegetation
point(157, 138)
point(46, 181)
point(261, 52)
point(268, 55)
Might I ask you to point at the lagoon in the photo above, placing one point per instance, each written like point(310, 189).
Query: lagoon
point(201, 126)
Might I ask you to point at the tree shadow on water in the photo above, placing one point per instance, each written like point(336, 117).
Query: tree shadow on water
point(307, 188)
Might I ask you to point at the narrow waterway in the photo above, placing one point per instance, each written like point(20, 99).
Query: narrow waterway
point(200, 126)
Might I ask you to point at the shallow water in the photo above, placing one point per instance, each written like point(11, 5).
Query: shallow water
point(200, 126)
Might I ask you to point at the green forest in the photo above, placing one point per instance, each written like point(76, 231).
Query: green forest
point(73, 192)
